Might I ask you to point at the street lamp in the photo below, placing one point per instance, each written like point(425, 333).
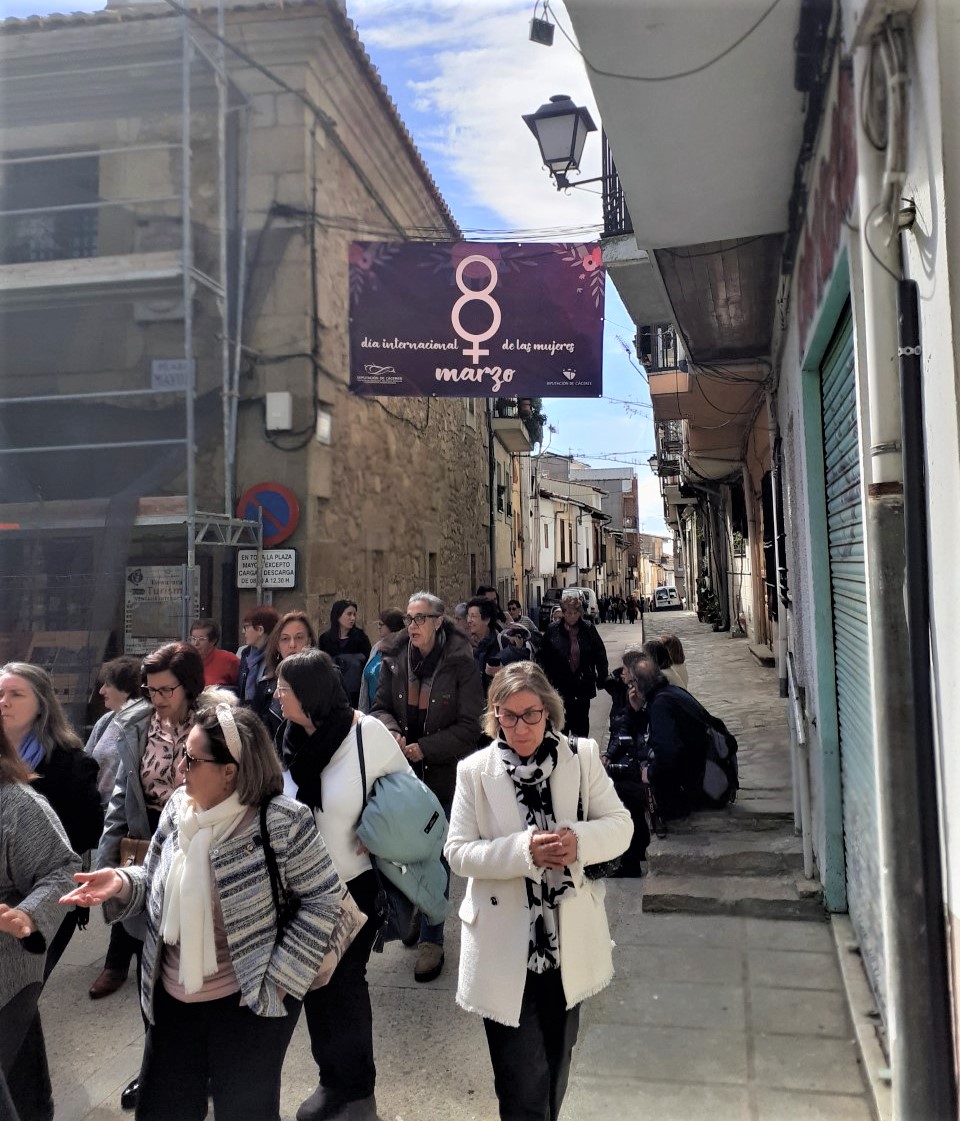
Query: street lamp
point(561, 130)
point(654, 464)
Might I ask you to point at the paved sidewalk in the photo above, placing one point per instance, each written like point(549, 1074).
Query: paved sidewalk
point(721, 1019)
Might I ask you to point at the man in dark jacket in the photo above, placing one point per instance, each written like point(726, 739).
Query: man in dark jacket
point(676, 739)
point(574, 659)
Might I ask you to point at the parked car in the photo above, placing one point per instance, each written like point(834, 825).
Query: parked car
point(667, 599)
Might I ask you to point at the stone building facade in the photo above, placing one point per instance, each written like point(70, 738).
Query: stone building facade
point(308, 156)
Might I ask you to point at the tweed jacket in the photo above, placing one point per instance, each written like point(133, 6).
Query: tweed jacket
point(489, 843)
point(452, 724)
point(265, 971)
point(36, 868)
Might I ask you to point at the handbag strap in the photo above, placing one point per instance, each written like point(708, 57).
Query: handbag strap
point(273, 871)
point(572, 741)
point(363, 765)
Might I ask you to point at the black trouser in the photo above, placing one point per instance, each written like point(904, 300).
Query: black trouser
point(216, 1042)
point(531, 1063)
point(339, 1015)
point(122, 948)
point(577, 715)
point(23, 1055)
point(633, 796)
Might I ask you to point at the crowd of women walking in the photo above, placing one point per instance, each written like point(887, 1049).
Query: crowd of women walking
point(222, 827)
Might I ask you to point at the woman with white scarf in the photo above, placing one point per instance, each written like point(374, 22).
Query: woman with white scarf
point(531, 812)
point(223, 977)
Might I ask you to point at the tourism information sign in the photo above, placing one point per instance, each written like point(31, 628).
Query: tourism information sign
point(476, 319)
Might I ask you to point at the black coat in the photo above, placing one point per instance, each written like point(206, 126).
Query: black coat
point(67, 778)
point(554, 658)
point(677, 748)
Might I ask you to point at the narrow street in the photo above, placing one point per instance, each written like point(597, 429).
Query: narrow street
point(726, 1018)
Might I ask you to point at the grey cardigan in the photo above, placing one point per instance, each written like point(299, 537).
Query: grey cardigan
point(36, 868)
point(242, 882)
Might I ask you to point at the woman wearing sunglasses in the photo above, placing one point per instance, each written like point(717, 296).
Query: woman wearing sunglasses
point(151, 737)
point(223, 977)
point(529, 815)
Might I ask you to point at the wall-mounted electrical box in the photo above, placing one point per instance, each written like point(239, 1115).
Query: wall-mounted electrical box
point(279, 412)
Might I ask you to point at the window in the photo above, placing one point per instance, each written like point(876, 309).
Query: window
point(546, 535)
point(473, 574)
point(432, 573)
point(49, 235)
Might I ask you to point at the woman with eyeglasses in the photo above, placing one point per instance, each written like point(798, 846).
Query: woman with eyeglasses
point(430, 697)
point(223, 978)
point(531, 812)
point(293, 633)
point(151, 737)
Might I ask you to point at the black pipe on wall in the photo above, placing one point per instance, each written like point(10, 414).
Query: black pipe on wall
point(936, 1017)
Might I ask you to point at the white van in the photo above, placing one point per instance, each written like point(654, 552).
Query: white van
point(666, 599)
point(591, 609)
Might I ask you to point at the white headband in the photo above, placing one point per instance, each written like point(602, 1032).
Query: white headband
point(228, 726)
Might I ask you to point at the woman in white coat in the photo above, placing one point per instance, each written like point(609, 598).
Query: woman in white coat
point(531, 812)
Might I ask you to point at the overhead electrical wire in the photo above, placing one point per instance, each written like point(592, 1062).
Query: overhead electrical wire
point(652, 78)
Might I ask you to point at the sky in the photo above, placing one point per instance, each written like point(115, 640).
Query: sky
point(461, 73)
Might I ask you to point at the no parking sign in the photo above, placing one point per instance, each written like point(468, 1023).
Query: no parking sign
point(281, 510)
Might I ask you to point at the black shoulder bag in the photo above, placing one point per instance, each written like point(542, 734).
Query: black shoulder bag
point(285, 901)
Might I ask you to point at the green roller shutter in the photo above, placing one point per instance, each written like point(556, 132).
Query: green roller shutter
point(848, 593)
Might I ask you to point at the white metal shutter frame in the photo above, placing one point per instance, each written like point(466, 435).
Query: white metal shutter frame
point(848, 594)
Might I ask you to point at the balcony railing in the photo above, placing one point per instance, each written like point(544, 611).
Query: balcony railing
point(616, 216)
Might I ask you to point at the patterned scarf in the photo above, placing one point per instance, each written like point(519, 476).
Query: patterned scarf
point(531, 780)
point(420, 671)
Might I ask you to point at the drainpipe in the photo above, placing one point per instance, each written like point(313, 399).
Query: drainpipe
point(778, 558)
point(921, 1057)
point(928, 886)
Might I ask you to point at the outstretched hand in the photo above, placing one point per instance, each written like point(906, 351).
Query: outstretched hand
point(95, 888)
point(16, 922)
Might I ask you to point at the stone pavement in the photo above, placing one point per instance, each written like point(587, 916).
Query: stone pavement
point(712, 1018)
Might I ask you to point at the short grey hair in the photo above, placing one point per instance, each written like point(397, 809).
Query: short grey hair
point(460, 611)
point(436, 604)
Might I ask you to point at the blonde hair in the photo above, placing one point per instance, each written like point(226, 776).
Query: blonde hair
point(518, 678)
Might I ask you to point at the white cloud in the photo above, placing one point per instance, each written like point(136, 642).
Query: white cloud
point(479, 76)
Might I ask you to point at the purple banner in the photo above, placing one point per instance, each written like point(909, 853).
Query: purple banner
point(475, 319)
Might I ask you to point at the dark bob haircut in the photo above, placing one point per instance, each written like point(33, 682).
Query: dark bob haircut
point(183, 661)
point(316, 683)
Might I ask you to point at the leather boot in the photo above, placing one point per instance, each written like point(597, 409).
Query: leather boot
point(107, 983)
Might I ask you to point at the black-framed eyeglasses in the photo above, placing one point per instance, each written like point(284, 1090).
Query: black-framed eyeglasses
point(418, 619)
point(165, 691)
point(509, 719)
point(190, 760)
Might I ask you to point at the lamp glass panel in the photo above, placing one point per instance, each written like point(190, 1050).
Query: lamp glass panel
point(556, 140)
point(579, 139)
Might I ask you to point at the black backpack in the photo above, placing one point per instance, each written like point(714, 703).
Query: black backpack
point(721, 775)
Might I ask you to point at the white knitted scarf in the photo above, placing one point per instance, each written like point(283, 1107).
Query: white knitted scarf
point(187, 898)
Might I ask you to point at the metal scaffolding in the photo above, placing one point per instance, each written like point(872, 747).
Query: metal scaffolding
point(72, 250)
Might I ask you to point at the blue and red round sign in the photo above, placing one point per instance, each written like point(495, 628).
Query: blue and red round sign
point(281, 510)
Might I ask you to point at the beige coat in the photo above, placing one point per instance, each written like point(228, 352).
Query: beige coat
point(489, 843)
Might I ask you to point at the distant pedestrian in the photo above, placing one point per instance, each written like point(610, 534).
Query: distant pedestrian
point(293, 633)
point(632, 610)
point(676, 673)
point(220, 667)
point(515, 611)
point(575, 661)
point(348, 645)
point(482, 625)
point(488, 591)
point(258, 624)
point(120, 689)
point(389, 622)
